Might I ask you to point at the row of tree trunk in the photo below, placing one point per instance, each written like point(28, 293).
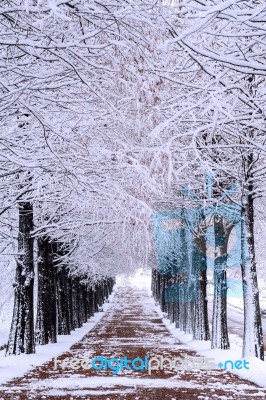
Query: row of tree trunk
point(64, 301)
point(176, 298)
point(182, 291)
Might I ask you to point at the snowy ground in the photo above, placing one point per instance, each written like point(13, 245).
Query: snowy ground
point(257, 371)
point(140, 331)
point(131, 326)
point(14, 366)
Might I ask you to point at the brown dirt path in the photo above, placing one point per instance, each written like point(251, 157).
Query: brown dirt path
point(131, 327)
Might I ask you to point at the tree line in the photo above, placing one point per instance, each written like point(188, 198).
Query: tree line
point(108, 111)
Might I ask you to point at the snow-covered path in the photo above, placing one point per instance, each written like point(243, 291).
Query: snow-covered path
point(131, 327)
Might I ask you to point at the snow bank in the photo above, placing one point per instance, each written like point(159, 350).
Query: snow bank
point(257, 368)
point(15, 366)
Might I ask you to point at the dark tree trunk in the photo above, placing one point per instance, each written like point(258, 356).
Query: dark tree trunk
point(185, 268)
point(82, 302)
point(201, 326)
point(90, 301)
point(253, 336)
point(46, 324)
point(222, 229)
point(71, 301)
point(21, 338)
point(63, 302)
point(162, 294)
point(156, 284)
point(177, 304)
point(182, 305)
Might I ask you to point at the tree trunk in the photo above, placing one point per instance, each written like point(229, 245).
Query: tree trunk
point(220, 339)
point(46, 309)
point(177, 303)
point(21, 338)
point(253, 337)
point(201, 326)
point(63, 302)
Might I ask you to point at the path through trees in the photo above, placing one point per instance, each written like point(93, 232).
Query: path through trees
point(131, 327)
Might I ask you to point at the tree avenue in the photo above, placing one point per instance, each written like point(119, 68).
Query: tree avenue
point(114, 113)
